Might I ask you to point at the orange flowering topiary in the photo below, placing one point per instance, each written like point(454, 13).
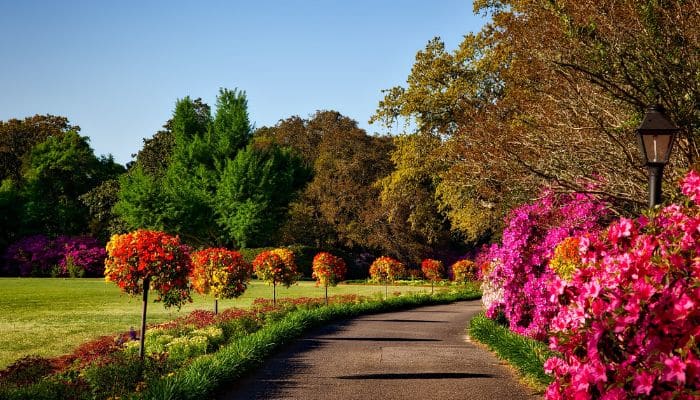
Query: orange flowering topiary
point(150, 256)
point(276, 266)
point(220, 272)
point(464, 271)
point(328, 269)
point(386, 269)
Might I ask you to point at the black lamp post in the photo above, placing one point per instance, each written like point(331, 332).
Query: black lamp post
point(656, 135)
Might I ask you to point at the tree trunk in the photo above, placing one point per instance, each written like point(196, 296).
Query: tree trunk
point(142, 343)
point(216, 306)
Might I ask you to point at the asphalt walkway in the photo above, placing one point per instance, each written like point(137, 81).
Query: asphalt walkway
point(416, 354)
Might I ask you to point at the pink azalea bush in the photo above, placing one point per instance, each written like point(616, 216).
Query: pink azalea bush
point(628, 320)
point(518, 266)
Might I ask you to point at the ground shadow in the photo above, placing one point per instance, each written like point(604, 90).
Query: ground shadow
point(381, 339)
point(418, 375)
point(406, 320)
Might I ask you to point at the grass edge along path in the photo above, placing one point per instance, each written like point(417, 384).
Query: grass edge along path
point(525, 355)
point(209, 374)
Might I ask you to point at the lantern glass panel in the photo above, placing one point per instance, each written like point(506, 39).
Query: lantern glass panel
point(656, 147)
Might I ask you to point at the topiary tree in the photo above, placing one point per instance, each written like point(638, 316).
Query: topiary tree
point(464, 271)
point(143, 260)
point(220, 272)
point(386, 270)
point(276, 266)
point(328, 270)
point(433, 271)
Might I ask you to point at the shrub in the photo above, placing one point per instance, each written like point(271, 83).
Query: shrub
point(627, 326)
point(26, 371)
point(40, 255)
point(83, 256)
point(520, 261)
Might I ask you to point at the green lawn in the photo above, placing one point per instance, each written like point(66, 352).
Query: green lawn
point(49, 317)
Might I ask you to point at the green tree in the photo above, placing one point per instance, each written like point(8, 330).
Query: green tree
point(18, 138)
point(58, 171)
point(255, 191)
point(141, 202)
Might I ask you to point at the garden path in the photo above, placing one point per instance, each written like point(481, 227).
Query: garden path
point(415, 354)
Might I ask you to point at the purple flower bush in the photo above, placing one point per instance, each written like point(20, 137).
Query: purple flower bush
point(628, 321)
point(40, 255)
point(517, 279)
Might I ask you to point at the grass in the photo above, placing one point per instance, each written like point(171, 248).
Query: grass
point(527, 356)
point(50, 317)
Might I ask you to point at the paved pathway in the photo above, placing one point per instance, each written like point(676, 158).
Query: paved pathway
point(415, 354)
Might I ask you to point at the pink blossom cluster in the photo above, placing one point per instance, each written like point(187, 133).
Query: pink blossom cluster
point(628, 324)
point(519, 264)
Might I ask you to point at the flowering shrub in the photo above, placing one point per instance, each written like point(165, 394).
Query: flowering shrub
point(135, 257)
point(220, 272)
point(491, 289)
point(520, 262)
point(386, 270)
point(276, 266)
point(464, 271)
point(39, 255)
point(628, 325)
point(433, 270)
point(328, 269)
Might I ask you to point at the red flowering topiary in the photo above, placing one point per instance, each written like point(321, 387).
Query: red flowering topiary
point(433, 271)
point(142, 255)
point(143, 260)
point(220, 272)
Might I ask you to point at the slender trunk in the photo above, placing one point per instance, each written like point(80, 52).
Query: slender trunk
point(386, 290)
point(274, 293)
point(216, 306)
point(326, 294)
point(142, 343)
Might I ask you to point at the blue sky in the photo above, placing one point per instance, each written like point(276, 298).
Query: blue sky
point(117, 68)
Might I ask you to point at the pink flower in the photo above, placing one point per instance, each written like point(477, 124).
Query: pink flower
point(643, 383)
point(674, 370)
point(615, 394)
point(690, 185)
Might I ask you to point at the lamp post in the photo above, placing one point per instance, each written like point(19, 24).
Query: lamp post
point(656, 135)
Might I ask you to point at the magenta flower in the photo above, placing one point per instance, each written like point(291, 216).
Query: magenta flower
point(674, 370)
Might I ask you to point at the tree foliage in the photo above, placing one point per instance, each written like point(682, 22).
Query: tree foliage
point(254, 192)
point(18, 138)
point(552, 92)
point(58, 171)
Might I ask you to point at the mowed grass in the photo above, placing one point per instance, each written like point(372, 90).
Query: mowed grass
point(50, 317)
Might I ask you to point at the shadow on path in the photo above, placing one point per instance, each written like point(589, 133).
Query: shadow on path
point(425, 375)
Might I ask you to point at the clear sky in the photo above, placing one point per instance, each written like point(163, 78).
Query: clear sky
point(116, 68)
